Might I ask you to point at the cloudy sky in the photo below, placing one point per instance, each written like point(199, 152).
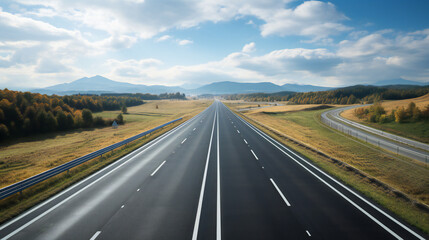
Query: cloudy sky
point(194, 42)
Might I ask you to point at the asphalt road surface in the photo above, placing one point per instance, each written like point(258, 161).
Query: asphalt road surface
point(213, 177)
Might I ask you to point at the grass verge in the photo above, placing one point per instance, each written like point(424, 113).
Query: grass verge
point(407, 176)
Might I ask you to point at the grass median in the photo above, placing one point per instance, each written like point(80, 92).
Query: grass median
point(405, 175)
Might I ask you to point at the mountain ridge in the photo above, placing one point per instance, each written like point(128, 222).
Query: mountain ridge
point(99, 84)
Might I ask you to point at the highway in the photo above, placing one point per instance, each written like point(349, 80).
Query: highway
point(396, 144)
point(212, 177)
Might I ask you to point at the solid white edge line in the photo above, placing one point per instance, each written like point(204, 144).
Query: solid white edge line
point(245, 141)
point(280, 192)
point(338, 192)
point(218, 205)
point(156, 170)
point(95, 235)
point(184, 140)
point(146, 147)
point(203, 185)
point(254, 154)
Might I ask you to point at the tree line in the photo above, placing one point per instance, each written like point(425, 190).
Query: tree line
point(147, 96)
point(25, 113)
point(260, 97)
point(347, 95)
point(377, 114)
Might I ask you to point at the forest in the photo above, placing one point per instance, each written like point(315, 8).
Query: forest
point(147, 96)
point(259, 97)
point(25, 113)
point(347, 95)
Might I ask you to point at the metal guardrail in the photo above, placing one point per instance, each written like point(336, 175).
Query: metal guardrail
point(19, 186)
point(377, 141)
point(415, 144)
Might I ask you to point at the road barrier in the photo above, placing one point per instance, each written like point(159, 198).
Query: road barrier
point(19, 186)
point(377, 141)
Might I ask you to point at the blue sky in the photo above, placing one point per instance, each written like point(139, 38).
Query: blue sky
point(195, 42)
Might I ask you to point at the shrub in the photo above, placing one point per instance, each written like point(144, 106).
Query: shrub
point(400, 115)
point(4, 132)
point(87, 118)
point(120, 119)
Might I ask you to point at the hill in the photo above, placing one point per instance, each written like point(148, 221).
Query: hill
point(346, 95)
point(228, 87)
point(399, 81)
point(303, 88)
point(235, 87)
point(99, 84)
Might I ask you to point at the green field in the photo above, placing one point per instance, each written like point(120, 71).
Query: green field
point(418, 131)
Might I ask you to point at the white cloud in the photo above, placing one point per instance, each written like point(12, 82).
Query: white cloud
point(47, 65)
point(119, 41)
point(49, 43)
point(149, 18)
point(248, 48)
point(184, 42)
point(22, 28)
point(163, 38)
point(357, 61)
point(313, 18)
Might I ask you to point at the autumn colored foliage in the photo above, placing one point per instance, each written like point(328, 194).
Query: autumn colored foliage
point(25, 113)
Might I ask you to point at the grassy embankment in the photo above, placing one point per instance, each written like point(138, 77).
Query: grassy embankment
point(418, 131)
point(26, 157)
point(405, 175)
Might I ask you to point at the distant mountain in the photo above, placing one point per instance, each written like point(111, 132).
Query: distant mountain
point(399, 81)
point(99, 84)
point(235, 87)
point(228, 87)
point(303, 88)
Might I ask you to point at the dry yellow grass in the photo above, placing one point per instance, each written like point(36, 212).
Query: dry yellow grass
point(421, 102)
point(285, 108)
point(240, 104)
point(29, 156)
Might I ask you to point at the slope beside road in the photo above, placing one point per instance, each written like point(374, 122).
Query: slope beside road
point(213, 177)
